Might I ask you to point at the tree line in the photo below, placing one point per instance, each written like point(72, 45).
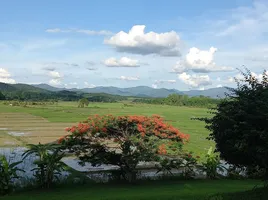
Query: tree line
point(181, 100)
point(58, 96)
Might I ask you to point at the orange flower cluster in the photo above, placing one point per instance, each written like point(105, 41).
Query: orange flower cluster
point(61, 139)
point(145, 126)
point(162, 149)
point(156, 125)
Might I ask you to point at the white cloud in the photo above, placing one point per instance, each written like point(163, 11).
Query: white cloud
point(200, 61)
point(122, 62)
point(55, 82)
point(154, 86)
point(129, 78)
point(56, 78)
point(240, 77)
point(84, 31)
point(5, 76)
point(88, 85)
point(195, 81)
point(55, 75)
point(219, 85)
point(232, 79)
point(136, 41)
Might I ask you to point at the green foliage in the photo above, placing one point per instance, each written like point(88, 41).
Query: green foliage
point(8, 173)
point(49, 164)
point(212, 165)
point(83, 102)
point(102, 97)
point(123, 141)
point(180, 100)
point(240, 123)
point(2, 97)
point(186, 163)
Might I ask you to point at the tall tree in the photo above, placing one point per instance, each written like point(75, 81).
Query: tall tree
point(240, 123)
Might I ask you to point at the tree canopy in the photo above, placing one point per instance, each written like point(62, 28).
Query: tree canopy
point(240, 123)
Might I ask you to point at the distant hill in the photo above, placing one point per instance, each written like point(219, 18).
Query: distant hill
point(144, 91)
point(48, 87)
point(4, 87)
point(213, 92)
point(139, 91)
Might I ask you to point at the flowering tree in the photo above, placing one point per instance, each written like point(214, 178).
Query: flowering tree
point(123, 141)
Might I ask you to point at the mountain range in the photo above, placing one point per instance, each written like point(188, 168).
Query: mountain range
point(139, 91)
point(142, 91)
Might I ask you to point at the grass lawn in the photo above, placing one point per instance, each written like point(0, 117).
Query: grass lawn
point(157, 190)
point(67, 113)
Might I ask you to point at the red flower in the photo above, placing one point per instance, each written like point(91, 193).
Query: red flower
point(61, 139)
point(162, 149)
point(104, 129)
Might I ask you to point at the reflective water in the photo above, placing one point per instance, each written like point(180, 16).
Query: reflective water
point(15, 154)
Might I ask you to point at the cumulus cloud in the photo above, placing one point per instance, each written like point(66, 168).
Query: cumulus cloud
point(83, 31)
point(55, 75)
point(200, 61)
point(136, 41)
point(129, 78)
point(122, 62)
point(194, 80)
point(55, 82)
point(5, 76)
point(56, 78)
point(88, 85)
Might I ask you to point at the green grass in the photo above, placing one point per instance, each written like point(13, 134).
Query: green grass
point(180, 117)
point(158, 190)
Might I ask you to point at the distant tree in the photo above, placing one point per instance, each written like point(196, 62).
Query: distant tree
point(240, 123)
point(2, 97)
point(83, 102)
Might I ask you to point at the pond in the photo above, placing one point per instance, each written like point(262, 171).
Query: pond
point(15, 154)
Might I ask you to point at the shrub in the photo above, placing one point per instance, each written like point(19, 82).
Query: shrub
point(123, 141)
point(8, 173)
point(212, 165)
point(49, 164)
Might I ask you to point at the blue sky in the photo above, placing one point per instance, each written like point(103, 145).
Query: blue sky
point(173, 44)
